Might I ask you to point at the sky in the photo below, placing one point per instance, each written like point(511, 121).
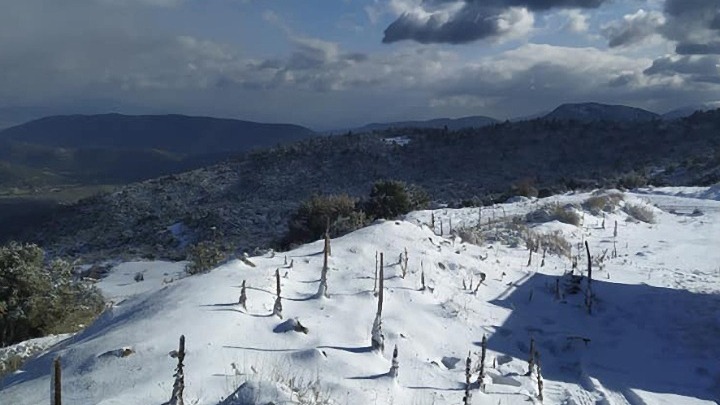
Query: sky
point(342, 63)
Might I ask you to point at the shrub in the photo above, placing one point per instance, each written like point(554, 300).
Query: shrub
point(310, 220)
point(525, 188)
point(603, 203)
point(640, 212)
point(39, 298)
point(632, 180)
point(391, 198)
point(204, 257)
point(554, 243)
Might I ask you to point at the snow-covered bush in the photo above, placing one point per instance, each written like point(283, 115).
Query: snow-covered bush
point(598, 204)
point(555, 212)
point(640, 212)
point(39, 298)
point(204, 257)
point(554, 243)
point(10, 364)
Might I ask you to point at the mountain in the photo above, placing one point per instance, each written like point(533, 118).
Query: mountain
point(589, 112)
point(171, 133)
point(690, 110)
point(651, 337)
point(452, 124)
point(115, 148)
point(249, 198)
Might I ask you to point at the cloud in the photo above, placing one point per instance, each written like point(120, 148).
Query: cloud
point(633, 28)
point(694, 24)
point(577, 22)
point(463, 21)
point(698, 49)
point(695, 68)
point(114, 50)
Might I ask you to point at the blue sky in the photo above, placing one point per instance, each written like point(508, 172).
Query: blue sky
point(341, 63)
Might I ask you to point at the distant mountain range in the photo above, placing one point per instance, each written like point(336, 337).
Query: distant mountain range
point(451, 124)
point(583, 112)
point(119, 148)
point(690, 110)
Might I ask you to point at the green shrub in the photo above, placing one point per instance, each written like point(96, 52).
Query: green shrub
point(203, 257)
point(391, 198)
point(311, 219)
point(37, 299)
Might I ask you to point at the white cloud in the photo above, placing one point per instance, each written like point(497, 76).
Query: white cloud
point(577, 22)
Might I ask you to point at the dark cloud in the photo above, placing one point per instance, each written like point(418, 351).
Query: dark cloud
point(633, 28)
point(715, 23)
point(696, 68)
point(548, 4)
point(470, 24)
point(712, 48)
point(682, 7)
point(462, 21)
point(693, 24)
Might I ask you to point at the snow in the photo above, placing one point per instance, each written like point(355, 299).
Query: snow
point(652, 336)
point(31, 347)
point(398, 140)
point(121, 284)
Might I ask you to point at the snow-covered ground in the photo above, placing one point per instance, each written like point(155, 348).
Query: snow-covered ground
point(652, 337)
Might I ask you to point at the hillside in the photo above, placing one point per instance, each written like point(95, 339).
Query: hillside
point(649, 339)
point(249, 199)
point(589, 112)
point(115, 148)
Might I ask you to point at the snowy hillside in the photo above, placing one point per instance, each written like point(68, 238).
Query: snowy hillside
point(652, 337)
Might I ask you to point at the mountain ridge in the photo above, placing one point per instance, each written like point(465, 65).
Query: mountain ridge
point(592, 111)
point(117, 148)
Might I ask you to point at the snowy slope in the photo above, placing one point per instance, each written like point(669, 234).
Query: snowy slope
point(652, 337)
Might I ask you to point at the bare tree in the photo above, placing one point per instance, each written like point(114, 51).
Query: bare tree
point(323, 288)
point(481, 376)
point(377, 339)
point(394, 368)
point(468, 395)
point(531, 361)
point(243, 296)
point(179, 385)
point(277, 308)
